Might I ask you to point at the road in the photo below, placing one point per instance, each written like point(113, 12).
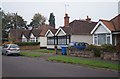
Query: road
point(17, 66)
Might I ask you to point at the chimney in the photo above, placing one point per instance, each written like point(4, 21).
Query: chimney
point(88, 19)
point(66, 20)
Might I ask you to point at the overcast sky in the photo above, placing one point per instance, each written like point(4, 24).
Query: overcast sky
point(77, 9)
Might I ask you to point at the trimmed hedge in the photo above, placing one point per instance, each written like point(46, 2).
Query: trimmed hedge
point(108, 48)
point(27, 43)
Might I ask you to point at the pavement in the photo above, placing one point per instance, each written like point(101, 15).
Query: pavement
point(18, 66)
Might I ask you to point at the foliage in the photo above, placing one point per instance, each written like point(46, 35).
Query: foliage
point(11, 21)
point(93, 63)
point(52, 20)
point(28, 54)
point(27, 43)
point(95, 49)
point(38, 20)
point(108, 48)
point(118, 47)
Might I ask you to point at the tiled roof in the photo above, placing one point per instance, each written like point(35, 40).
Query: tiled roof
point(36, 32)
point(26, 33)
point(109, 24)
point(113, 24)
point(44, 29)
point(78, 27)
point(53, 30)
point(16, 33)
point(116, 22)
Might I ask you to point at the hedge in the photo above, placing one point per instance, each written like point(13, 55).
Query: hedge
point(27, 43)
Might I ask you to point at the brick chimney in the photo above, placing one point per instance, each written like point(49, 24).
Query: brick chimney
point(88, 19)
point(66, 20)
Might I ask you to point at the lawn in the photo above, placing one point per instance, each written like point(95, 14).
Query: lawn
point(28, 54)
point(92, 63)
point(44, 51)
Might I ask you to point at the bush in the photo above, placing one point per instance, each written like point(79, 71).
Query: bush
point(27, 43)
point(108, 48)
point(94, 49)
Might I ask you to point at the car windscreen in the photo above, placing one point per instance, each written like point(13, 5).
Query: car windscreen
point(13, 46)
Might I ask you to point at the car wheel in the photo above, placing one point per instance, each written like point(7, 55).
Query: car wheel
point(6, 53)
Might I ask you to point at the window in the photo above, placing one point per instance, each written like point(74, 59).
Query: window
point(100, 39)
point(108, 38)
point(62, 40)
point(95, 39)
point(50, 40)
point(32, 40)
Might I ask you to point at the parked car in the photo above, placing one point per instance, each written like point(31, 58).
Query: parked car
point(10, 49)
point(78, 45)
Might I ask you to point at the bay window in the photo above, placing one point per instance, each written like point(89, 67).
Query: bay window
point(100, 39)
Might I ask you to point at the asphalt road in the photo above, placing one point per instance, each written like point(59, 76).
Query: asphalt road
point(38, 67)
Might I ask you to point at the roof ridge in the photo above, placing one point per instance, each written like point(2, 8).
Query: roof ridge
point(115, 17)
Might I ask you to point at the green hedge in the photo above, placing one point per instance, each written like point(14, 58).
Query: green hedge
point(108, 48)
point(94, 49)
point(97, 50)
point(27, 43)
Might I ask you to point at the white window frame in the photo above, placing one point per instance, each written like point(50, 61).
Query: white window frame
point(107, 35)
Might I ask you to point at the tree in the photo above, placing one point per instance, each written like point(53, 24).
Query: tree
point(11, 21)
point(52, 20)
point(38, 20)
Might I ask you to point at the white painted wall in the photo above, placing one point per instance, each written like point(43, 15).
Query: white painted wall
point(60, 33)
point(43, 41)
point(100, 30)
point(50, 46)
point(50, 34)
point(24, 39)
point(82, 38)
point(38, 39)
point(31, 35)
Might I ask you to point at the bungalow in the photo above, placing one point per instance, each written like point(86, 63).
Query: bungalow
point(75, 31)
point(107, 31)
point(51, 38)
point(33, 35)
point(25, 35)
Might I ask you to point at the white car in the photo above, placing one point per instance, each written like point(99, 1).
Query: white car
point(10, 49)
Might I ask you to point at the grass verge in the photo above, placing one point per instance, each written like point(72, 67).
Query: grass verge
point(93, 63)
point(28, 54)
point(44, 51)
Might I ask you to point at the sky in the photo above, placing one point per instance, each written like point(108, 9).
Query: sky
point(77, 9)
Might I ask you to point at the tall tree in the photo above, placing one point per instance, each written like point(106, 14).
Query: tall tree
point(38, 20)
point(52, 20)
point(11, 21)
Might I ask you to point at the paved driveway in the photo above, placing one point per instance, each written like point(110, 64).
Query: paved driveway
point(38, 67)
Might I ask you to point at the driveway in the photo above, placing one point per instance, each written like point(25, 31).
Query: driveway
point(17, 66)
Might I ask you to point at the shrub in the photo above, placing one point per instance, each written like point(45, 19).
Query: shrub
point(94, 49)
point(108, 48)
point(118, 47)
point(27, 43)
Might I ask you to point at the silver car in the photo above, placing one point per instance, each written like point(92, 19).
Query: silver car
point(10, 49)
